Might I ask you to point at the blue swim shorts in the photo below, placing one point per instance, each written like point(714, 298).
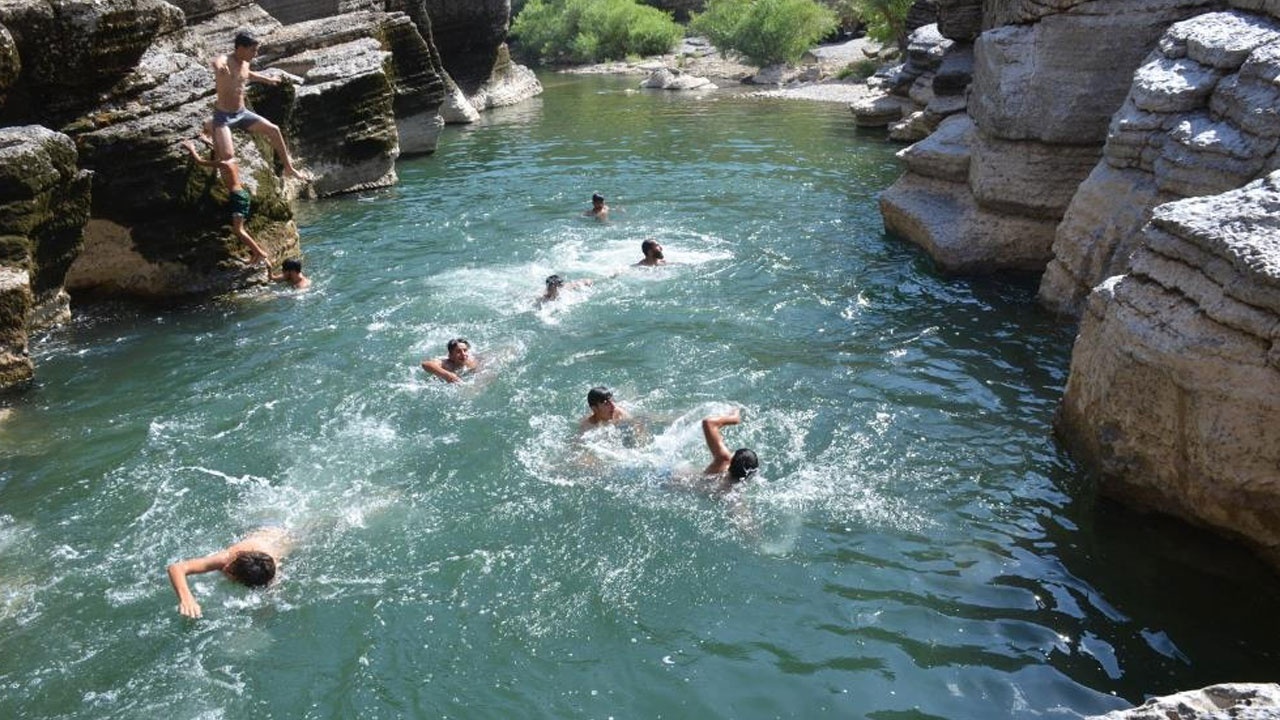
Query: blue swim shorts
point(242, 119)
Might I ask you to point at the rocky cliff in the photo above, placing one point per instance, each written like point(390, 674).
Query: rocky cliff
point(1174, 391)
point(1047, 76)
point(1201, 117)
point(1129, 150)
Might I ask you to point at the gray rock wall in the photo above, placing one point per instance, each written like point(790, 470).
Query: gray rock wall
point(1047, 76)
point(1202, 116)
point(1174, 391)
point(44, 203)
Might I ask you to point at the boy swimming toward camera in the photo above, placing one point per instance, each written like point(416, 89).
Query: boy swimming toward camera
point(252, 562)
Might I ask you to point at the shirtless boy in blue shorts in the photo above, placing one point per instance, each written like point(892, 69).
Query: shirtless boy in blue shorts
point(231, 74)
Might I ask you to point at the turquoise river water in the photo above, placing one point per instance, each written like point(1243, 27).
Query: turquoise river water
point(917, 546)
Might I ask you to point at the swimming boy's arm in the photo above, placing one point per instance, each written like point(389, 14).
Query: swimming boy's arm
point(720, 455)
point(179, 571)
point(435, 367)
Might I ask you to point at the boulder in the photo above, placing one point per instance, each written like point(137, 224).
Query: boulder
point(1201, 118)
point(469, 35)
point(1173, 396)
point(1027, 178)
point(675, 79)
point(1060, 79)
point(960, 19)
point(945, 153)
point(1097, 235)
point(1240, 701)
point(509, 83)
point(880, 111)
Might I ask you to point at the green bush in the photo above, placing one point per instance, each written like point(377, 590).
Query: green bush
point(766, 32)
point(886, 19)
point(592, 30)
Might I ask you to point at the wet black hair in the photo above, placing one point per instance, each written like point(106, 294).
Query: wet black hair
point(554, 281)
point(252, 568)
point(743, 464)
point(244, 38)
point(456, 342)
point(291, 265)
point(597, 197)
point(597, 395)
point(648, 245)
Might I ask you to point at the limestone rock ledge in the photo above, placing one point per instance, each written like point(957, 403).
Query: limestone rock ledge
point(1241, 701)
point(1047, 76)
point(1200, 118)
point(1173, 396)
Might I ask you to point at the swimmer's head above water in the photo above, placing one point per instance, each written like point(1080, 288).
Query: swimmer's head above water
point(251, 568)
point(743, 465)
point(599, 395)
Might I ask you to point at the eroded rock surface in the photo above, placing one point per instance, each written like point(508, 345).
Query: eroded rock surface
point(1174, 391)
point(1202, 116)
point(1047, 76)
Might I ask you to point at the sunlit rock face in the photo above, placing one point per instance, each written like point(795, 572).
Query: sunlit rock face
point(1202, 116)
point(1047, 77)
point(1173, 397)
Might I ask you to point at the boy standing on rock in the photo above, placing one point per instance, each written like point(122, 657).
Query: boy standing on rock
point(231, 74)
point(238, 197)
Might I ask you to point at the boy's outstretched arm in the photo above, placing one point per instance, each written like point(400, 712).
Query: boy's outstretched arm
point(720, 455)
point(179, 571)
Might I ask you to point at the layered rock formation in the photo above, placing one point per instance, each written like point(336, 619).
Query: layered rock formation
point(1174, 390)
point(44, 203)
point(1047, 76)
point(1201, 117)
point(472, 38)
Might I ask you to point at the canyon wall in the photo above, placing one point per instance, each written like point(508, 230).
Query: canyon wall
point(988, 195)
point(1127, 150)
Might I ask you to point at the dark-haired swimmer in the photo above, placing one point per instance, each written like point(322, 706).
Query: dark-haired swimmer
point(253, 561)
point(599, 210)
point(458, 361)
point(727, 469)
point(652, 254)
point(291, 273)
point(555, 284)
point(603, 410)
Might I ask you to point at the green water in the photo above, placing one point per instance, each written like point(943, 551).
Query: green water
point(916, 547)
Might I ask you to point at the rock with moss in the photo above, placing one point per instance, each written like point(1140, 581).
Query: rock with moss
point(73, 52)
point(15, 305)
point(44, 204)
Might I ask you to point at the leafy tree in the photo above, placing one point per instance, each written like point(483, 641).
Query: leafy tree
point(592, 30)
point(766, 32)
point(886, 19)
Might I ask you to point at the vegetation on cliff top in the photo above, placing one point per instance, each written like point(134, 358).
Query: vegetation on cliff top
point(584, 31)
